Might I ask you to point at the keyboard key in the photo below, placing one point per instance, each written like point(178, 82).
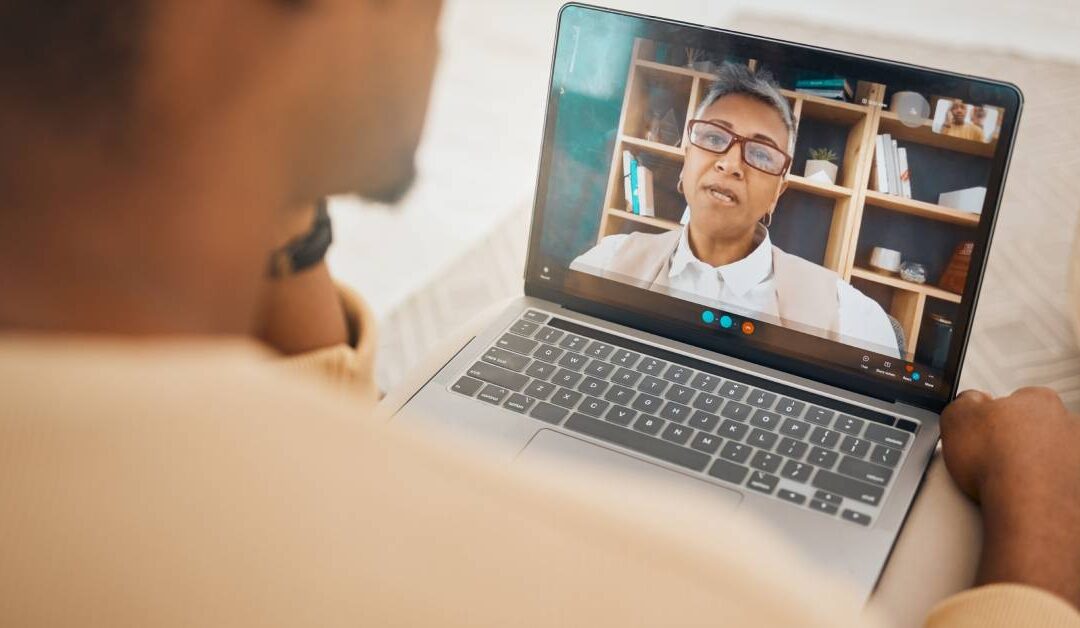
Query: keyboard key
point(828, 497)
point(536, 317)
point(885, 455)
point(498, 376)
point(506, 359)
point(620, 415)
point(547, 353)
point(847, 487)
point(677, 433)
point(791, 448)
point(652, 366)
point(736, 410)
point(549, 335)
point(824, 438)
point(620, 395)
point(566, 378)
point(675, 412)
point(648, 424)
point(797, 471)
point(599, 350)
point(822, 457)
point(540, 370)
point(761, 399)
point(652, 385)
point(762, 482)
point(790, 407)
point(706, 442)
point(728, 471)
point(708, 403)
point(593, 386)
point(791, 496)
point(517, 344)
point(766, 420)
point(525, 328)
point(599, 369)
point(732, 430)
point(539, 389)
point(705, 382)
point(704, 421)
point(493, 394)
point(548, 413)
point(625, 359)
point(518, 403)
point(678, 374)
point(593, 407)
point(734, 390)
point(647, 403)
point(857, 517)
point(849, 424)
point(866, 471)
point(626, 377)
point(574, 342)
point(574, 361)
point(735, 452)
point(654, 447)
point(819, 416)
point(761, 438)
point(795, 429)
point(765, 461)
point(467, 386)
point(907, 426)
point(566, 398)
point(680, 394)
point(887, 435)
point(824, 507)
point(856, 447)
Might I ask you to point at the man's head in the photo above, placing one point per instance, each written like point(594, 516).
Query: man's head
point(958, 112)
point(728, 197)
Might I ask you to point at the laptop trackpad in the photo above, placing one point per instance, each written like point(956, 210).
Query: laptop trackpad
point(549, 449)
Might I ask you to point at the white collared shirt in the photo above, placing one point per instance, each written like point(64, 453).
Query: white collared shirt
point(748, 285)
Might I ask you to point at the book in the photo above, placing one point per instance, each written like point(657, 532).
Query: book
point(646, 194)
point(628, 190)
point(825, 93)
point(881, 172)
point(899, 189)
point(824, 87)
point(635, 199)
point(891, 168)
point(905, 173)
point(824, 83)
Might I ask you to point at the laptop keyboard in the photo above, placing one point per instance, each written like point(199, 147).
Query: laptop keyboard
point(811, 451)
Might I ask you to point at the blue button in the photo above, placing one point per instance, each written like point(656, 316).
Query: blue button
point(915, 376)
point(708, 317)
point(726, 322)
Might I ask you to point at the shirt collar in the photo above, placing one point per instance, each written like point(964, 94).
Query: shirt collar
point(740, 276)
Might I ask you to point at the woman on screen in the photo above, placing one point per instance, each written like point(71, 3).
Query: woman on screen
point(741, 142)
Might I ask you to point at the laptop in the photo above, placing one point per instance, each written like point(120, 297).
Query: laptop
point(752, 271)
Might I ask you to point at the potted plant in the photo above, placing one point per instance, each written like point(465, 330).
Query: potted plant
point(822, 165)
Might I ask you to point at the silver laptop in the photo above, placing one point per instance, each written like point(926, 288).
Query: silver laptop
point(752, 271)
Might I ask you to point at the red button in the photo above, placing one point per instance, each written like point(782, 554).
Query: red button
point(747, 328)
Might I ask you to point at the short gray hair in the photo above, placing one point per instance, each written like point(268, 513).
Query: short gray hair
point(735, 78)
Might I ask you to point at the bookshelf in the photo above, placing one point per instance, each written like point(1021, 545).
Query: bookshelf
point(848, 127)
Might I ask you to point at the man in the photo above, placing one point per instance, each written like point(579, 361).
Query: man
point(957, 125)
point(740, 147)
point(158, 470)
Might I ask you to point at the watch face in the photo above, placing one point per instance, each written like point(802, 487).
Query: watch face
point(307, 250)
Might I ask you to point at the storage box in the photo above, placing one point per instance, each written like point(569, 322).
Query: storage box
point(967, 200)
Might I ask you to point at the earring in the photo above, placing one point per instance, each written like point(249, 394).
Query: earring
point(767, 220)
point(679, 187)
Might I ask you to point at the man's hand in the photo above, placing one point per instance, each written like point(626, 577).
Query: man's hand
point(1019, 457)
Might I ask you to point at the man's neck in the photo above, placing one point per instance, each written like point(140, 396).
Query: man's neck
point(717, 251)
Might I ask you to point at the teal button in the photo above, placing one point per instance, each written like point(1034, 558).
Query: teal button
point(726, 322)
point(708, 317)
point(915, 376)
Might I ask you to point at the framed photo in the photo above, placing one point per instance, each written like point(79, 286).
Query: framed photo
point(955, 118)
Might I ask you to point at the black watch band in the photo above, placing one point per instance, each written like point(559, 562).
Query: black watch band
point(305, 251)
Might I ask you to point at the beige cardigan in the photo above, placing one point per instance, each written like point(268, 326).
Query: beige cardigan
point(193, 483)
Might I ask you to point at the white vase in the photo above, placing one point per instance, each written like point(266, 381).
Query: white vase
point(820, 168)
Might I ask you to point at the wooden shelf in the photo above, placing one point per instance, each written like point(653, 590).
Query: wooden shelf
point(924, 134)
point(674, 69)
point(830, 190)
point(919, 208)
point(896, 282)
point(660, 223)
point(664, 150)
point(828, 109)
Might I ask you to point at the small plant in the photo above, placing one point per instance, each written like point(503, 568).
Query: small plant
point(823, 154)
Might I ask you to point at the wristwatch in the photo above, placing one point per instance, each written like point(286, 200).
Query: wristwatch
point(305, 251)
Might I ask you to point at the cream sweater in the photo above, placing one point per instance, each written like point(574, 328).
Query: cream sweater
point(196, 483)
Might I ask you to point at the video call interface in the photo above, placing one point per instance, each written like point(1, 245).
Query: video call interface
point(813, 212)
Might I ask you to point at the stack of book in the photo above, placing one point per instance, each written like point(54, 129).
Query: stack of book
point(638, 186)
point(891, 173)
point(834, 88)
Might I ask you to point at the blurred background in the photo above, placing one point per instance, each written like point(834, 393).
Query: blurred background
point(456, 244)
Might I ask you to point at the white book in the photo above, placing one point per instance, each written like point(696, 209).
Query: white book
point(905, 173)
point(881, 173)
point(891, 169)
point(627, 159)
point(646, 195)
point(899, 189)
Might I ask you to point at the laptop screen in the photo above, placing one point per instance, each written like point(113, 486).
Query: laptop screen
point(809, 210)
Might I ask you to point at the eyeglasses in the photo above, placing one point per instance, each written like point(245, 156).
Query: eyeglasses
point(758, 155)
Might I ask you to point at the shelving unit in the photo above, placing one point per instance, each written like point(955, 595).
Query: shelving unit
point(857, 124)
